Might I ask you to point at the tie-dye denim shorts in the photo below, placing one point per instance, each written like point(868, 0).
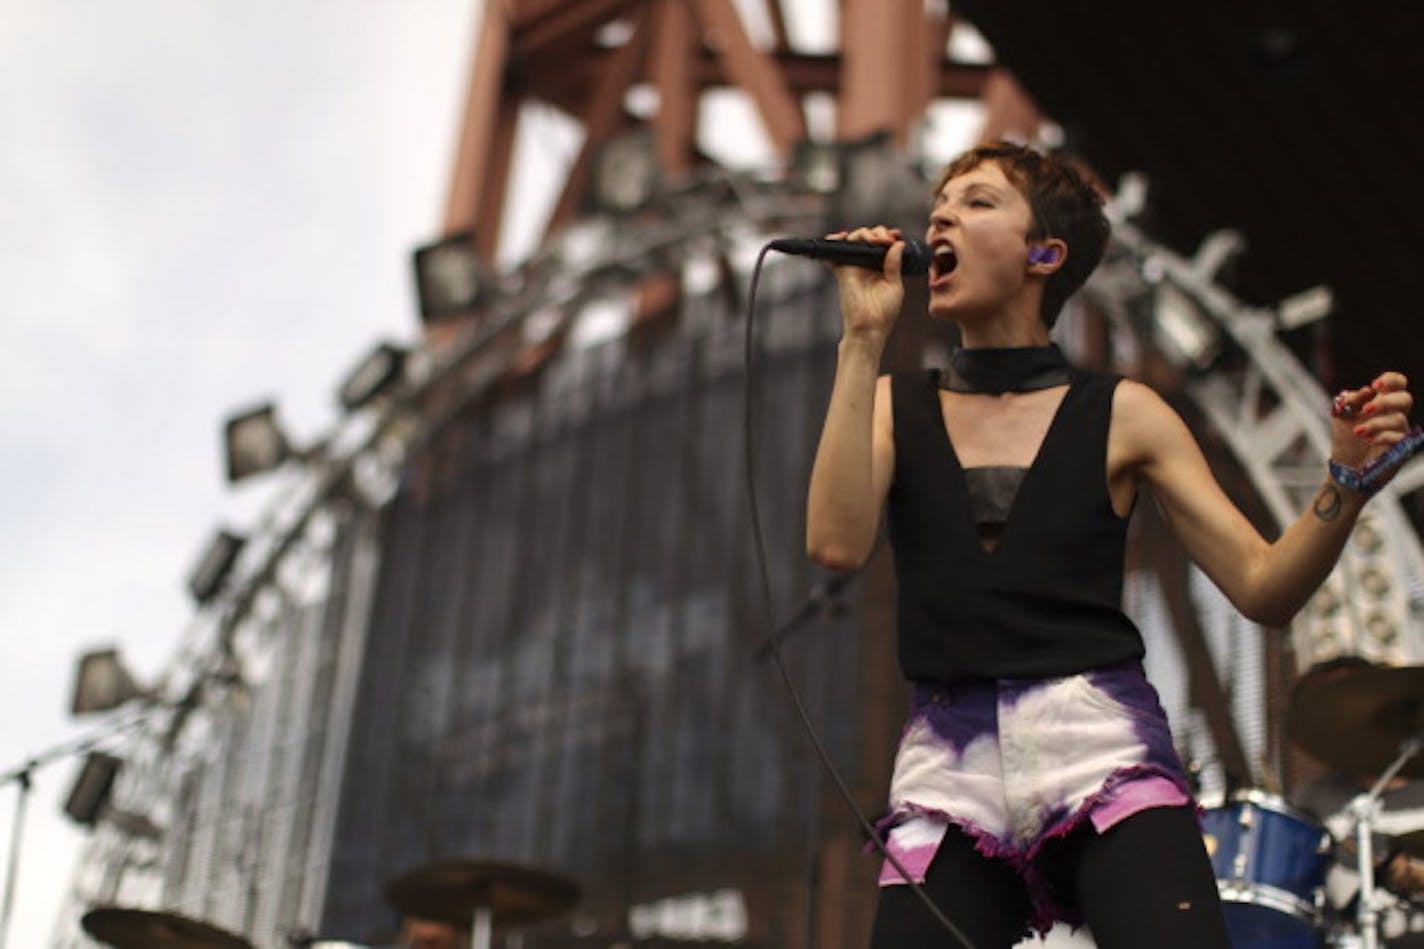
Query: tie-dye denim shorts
point(1016, 763)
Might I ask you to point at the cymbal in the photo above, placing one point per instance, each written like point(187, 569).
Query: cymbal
point(150, 929)
point(449, 891)
point(1411, 844)
point(1356, 717)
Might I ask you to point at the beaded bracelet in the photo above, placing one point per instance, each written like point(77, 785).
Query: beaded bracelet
point(1371, 478)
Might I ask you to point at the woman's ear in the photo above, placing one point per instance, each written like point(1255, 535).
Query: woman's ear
point(1046, 257)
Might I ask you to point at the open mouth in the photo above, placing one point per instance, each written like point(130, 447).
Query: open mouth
point(944, 261)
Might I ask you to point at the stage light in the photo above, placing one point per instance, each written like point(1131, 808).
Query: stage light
point(1374, 581)
point(816, 166)
point(1381, 630)
point(373, 375)
point(92, 788)
point(625, 173)
point(254, 442)
point(1304, 308)
point(102, 683)
point(450, 278)
point(1183, 333)
point(207, 578)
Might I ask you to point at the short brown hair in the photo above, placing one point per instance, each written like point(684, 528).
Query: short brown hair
point(1063, 205)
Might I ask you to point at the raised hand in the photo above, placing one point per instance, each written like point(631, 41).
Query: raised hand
point(870, 301)
point(1371, 435)
point(1367, 422)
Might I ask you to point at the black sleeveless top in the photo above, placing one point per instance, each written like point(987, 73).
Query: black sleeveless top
point(1046, 601)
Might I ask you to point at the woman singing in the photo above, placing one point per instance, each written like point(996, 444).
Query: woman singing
point(1036, 779)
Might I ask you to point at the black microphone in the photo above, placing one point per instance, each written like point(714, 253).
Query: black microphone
point(915, 260)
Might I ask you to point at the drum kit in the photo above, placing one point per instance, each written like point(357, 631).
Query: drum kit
point(470, 896)
point(1270, 860)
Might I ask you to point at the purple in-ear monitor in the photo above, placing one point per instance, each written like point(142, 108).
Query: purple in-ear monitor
point(1042, 255)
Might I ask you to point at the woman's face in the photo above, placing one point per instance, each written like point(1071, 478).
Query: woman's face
point(979, 232)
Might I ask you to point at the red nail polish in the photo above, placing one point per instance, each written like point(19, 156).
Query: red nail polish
point(1360, 430)
point(1370, 408)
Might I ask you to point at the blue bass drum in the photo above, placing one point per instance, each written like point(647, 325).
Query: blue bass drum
point(1269, 861)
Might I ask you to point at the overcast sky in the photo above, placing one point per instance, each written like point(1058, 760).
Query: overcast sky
point(202, 204)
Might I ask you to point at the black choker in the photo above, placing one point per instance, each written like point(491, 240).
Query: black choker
point(1011, 369)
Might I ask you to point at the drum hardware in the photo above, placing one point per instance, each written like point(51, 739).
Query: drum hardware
point(1363, 810)
point(1269, 861)
point(480, 894)
point(125, 928)
point(1362, 719)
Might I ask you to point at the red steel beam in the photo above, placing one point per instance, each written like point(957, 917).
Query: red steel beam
point(603, 117)
point(567, 83)
point(673, 71)
point(778, 24)
point(755, 72)
point(1008, 110)
point(885, 79)
point(542, 24)
point(473, 160)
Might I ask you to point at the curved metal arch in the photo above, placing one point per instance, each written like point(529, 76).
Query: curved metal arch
point(1273, 416)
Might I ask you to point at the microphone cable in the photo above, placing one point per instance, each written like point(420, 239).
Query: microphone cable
point(773, 647)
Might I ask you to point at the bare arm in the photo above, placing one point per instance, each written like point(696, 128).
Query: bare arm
point(856, 454)
point(1268, 582)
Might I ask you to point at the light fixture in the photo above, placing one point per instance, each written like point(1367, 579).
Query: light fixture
point(450, 278)
point(816, 166)
point(254, 442)
point(1181, 331)
point(102, 683)
point(212, 569)
point(373, 375)
point(92, 787)
point(625, 173)
point(1306, 307)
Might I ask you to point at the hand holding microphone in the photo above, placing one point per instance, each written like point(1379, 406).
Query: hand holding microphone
point(915, 258)
point(868, 264)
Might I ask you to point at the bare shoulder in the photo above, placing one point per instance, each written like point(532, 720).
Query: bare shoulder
point(1139, 411)
point(1133, 399)
point(1146, 430)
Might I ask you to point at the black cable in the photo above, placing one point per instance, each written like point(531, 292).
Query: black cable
point(823, 597)
point(748, 430)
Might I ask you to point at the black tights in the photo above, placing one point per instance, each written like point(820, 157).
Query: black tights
point(1145, 883)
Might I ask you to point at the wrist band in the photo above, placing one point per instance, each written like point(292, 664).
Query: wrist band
point(1348, 478)
point(1372, 477)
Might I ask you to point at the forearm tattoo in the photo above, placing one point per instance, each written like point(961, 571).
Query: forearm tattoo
point(1328, 503)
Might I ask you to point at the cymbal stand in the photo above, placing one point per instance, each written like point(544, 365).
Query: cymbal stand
point(23, 778)
point(1363, 809)
point(483, 930)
